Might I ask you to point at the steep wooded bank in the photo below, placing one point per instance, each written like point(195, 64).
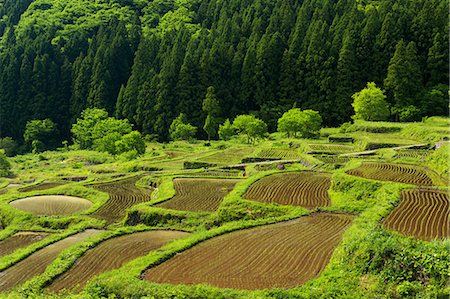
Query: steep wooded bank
point(148, 61)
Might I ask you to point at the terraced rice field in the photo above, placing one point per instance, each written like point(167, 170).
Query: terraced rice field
point(228, 157)
point(19, 240)
point(36, 263)
point(42, 186)
point(400, 173)
point(112, 254)
point(332, 148)
point(282, 255)
point(410, 153)
point(306, 189)
point(218, 173)
point(50, 205)
point(275, 153)
point(422, 213)
point(332, 159)
point(122, 195)
point(199, 194)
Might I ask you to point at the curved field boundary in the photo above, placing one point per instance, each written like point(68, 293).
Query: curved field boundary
point(218, 173)
point(412, 153)
point(42, 186)
point(400, 173)
point(332, 148)
point(424, 214)
point(36, 263)
point(199, 194)
point(123, 194)
point(306, 189)
point(274, 153)
point(282, 255)
point(228, 156)
point(332, 159)
point(112, 254)
point(19, 240)
point(52, 205)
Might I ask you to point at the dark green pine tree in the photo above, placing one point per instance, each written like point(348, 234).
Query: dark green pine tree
point(142, 71)
point(80, 86)
point(98, 92)
point(248, 82)
point(367, 52)
point(9, 79)
point(403, 81)
point(288, 82)
point(168, 76)
point(236, 75)
point(24, 106)
point(63, 92)
point(189, 87)
point(120, 60)
point(438, 61)
point(146, 101)
point(347, 76)
point(268, 69)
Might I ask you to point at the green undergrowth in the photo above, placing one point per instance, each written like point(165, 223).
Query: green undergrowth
point(3, 183)
point(440, 161)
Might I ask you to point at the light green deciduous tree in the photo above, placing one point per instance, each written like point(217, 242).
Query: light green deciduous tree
point(180, 129)
point(251, 126)
point(370, 104)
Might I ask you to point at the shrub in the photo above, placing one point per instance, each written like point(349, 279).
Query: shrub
point(40, 135)
point(181, 130)
point(5, 166)
point(226, 131)
point(9, 145)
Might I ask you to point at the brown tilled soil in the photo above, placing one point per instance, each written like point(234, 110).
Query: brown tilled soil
point(36, 263)
point(400, 173)
point(122, 195)
point(424, 214)
point(43, 186)
point(306, 189)
point(282, 255)
point(51, 205)
point(112, 254)
point(19, 240)
point(199, 194)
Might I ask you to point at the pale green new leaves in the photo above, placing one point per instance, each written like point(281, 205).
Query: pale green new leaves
point(307, 122)
point(370, 104)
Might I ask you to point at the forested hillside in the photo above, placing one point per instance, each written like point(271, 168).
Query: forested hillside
point(149, 61)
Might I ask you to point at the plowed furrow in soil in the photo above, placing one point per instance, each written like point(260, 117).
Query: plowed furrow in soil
point(112, 254)
point(199, 194)
point(306, 189)
point(423, 214)
point(122, 195)
point(42, 186)
point(282, 255)
point(409, 174)
point(19, 240)
point(36, 263)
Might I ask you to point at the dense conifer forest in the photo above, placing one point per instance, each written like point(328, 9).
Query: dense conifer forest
point(149, 61)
